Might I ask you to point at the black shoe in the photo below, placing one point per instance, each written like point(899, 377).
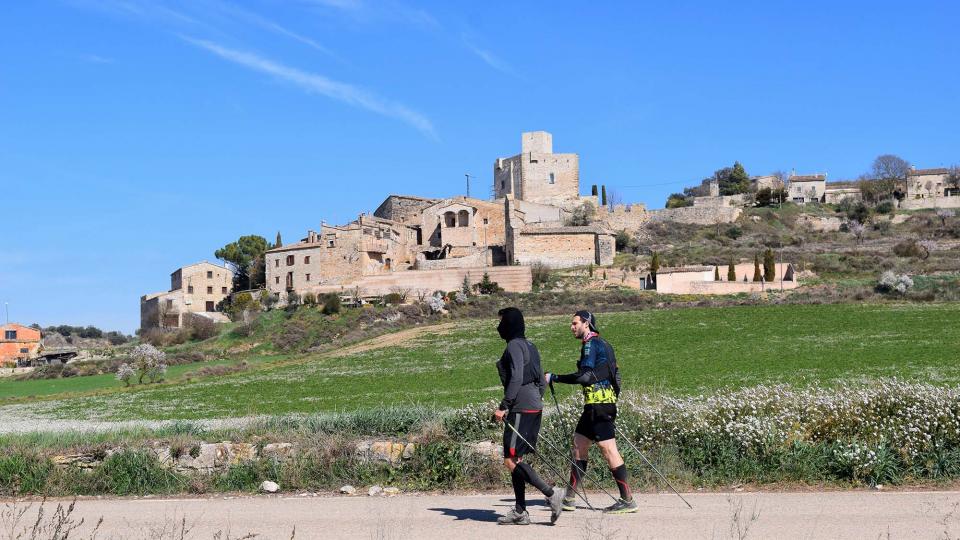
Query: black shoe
point(621, 507)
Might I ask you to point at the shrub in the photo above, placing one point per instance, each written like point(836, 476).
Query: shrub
point(734, 232)
point(885, 207)
point(622, 240)
point(125, 374)
point(200, 328)
point(221, 370)
point(436, 303)
point(541, 275)
point(392, 299)
point(309, 299)
point(293, 298)
point(331, 304)
point(908, 248)
point(293, 335)
point(136, 472)
point(891, 283)
point(486, 286)
point(23, 472)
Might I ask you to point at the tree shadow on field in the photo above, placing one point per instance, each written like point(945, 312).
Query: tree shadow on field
point(470, 514)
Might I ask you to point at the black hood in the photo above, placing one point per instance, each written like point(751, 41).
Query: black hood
point(511, 323)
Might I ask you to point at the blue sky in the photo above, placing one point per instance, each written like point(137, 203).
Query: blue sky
point(139, 136)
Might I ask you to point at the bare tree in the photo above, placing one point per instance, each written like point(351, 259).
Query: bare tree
point(613, 198)
point(953, 177)
point(890, 167)
point(944, 214)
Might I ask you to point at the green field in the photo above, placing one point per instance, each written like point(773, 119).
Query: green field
point(678, 351)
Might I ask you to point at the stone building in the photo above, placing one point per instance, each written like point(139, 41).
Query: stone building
point(767, 181)
point(403, 208)
point(836, 192)
point(195, 288)
point(555, 246)
point(538, 175)
point(342, 254)
point(807, 188)
point(463, 227)
point(18, 344)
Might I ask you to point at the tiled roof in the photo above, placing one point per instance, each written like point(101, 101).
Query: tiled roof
point(925, 172)
point(809, 178)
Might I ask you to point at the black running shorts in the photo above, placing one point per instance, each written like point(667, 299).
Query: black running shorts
point(527, 423)
point(596, 422)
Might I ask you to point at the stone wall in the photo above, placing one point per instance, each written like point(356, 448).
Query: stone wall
point(930, 203)
point(511, 278)
point(475, 260)
point(697, 215)
point(624, 217)
point(561, 247)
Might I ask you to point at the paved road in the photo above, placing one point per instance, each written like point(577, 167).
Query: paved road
point(870, 515)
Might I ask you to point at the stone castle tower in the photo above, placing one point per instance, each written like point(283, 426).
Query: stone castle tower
point(537, 174)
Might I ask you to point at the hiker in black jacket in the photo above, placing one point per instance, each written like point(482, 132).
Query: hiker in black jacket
point(599, 378)
point(521, 407)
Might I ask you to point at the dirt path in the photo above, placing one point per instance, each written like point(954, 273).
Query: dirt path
point(739, 515)
point(401, 339)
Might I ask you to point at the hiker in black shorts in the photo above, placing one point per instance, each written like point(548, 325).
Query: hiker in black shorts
point(522, 406)
point(598, 375)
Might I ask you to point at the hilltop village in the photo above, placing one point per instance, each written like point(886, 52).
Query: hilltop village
point(537, 216)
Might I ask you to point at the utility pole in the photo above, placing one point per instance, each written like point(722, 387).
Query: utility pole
point(468, 184)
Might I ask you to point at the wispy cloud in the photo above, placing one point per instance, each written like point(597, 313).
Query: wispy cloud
point(319, 84)
point(382, 10)
point(267, 24)
point(95, 59)
point(491, 59)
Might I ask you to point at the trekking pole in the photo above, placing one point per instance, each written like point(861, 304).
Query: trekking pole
point(596, 481)
point(567, 427)
point(547, 463)
point(652, 466)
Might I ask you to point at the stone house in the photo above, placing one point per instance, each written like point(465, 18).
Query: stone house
point(767, 181)
point(463, 227)
point(339, 255)
point(807, 188)
point(930, 188)
point(403, 208)
point(836, 192)
point(18, 344)
point(555, 246)
point(194, 289)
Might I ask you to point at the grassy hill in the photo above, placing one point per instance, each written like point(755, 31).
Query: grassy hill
point(674, 351)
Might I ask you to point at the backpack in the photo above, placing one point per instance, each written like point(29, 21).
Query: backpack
point(613, 371)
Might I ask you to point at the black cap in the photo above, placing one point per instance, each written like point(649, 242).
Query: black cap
point(588, 318)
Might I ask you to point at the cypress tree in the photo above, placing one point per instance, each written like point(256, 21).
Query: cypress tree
point(716, 273)
point(654, 265)
point(731, 272)
point(756, 268)
point(769, 266)
point(603, 195)
point(593, 190)
point(279, 241)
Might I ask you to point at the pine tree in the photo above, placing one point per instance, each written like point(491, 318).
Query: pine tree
point(279, 241)
point(716, 273)
point(603, 195)
point(769, 266)
point(756, 268)
point(731, 272)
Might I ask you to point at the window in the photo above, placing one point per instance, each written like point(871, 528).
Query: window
point(449, 219)
point(486, 221)
point(169, 304)
point(190, 289)
point(209, 290)
point(210, 307)
point(308, 277)
point(552, 179)
point(9, 334)
point(24, 351)
point(463, 217)
point(306, 260)
point(503, 185)
point(330, 243)
point(276, 263)
point(278, 279)
point(290, 260)
point(223, 290)
point(209, 274)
